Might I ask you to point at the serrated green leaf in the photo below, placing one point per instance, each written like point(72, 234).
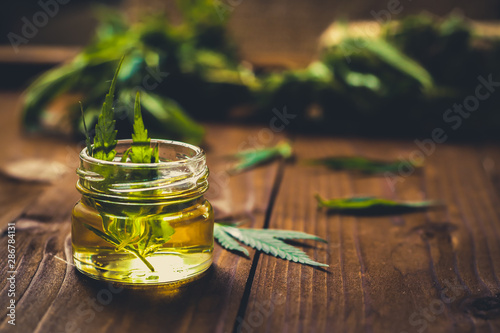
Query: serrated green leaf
point(266, 240)
point(252, 158)
point(287, 234)
point(141, 151)
point(88, 143)
point(363, 165)
point(227, 241)
point(105, 133)
point(372, 204)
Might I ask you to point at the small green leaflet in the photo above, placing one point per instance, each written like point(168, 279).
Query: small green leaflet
point(105, 133)
point(88, 143)
point(140, 233)
point(251, 158)
point(266, 240)
point(363, 165)
point(158, 233)
point(227, 241)
point(140, 151)
point(112, 240)
point(372, 205)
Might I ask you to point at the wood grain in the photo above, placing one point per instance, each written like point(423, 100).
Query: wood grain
point(433, 271)
point(417, 272)
point(52, 297)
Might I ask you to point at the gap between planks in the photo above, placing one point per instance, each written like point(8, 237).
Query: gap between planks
point(269, 210)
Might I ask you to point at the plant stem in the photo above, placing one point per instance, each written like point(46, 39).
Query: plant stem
point(143, 259)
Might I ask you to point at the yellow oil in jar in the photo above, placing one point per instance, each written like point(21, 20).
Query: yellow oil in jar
point(123, 242)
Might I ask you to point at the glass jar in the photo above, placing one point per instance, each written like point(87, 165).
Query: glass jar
point(143, 223)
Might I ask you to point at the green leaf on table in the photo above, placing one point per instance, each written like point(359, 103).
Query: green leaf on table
point(372, 205)
point(268, 241)
point(363, 165)
point(105, 133)
point(252, 158)
point(227, 241)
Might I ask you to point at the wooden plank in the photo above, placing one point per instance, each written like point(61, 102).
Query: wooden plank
point(58, 299)
point(403, 273)
point(436, 271)
point(38, 54)
point(16, 196)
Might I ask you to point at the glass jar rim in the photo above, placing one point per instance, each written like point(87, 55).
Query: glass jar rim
point(199, 155)
point(182, 174)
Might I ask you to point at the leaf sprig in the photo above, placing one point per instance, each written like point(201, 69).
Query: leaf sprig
point(269, 241)
point(372, 205)
point(362, 165)
point(251, 158)
point(105, 133)
point(141, 150)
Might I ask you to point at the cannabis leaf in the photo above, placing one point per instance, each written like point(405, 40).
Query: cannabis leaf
point(88, 143)
point(158, 233)
point(266, 240)
point(105, 133)
point(110, 239)
point(251, 158)
point(372, 205)
point(227, 241)
point(140, 232)
point(140, 151)
point(363, 165)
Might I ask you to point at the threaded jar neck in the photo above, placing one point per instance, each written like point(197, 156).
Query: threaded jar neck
point(181, 174)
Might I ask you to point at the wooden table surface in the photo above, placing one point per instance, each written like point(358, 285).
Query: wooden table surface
point(435, 271)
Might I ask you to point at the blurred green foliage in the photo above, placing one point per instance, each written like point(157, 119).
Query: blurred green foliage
point(400, 82)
